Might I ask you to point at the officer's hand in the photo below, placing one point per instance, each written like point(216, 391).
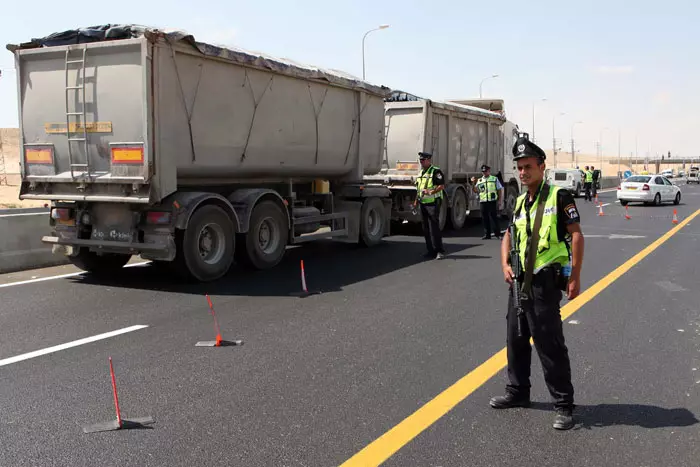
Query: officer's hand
point(573, 288)
point(473, 179)
point(508, 274)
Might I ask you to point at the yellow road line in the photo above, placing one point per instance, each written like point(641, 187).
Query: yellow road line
point(390, 442)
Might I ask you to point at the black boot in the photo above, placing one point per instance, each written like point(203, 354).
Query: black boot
point(564, 419)
point(509, 401)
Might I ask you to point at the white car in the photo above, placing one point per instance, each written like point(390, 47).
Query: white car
point(654, 189)
point(571, 179)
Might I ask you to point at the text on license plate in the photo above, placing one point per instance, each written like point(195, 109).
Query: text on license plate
point(111, 235)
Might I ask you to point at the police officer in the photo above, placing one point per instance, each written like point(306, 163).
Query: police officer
point(588, 184)
point(429, 193)
point(490, 193)
point(556, 267)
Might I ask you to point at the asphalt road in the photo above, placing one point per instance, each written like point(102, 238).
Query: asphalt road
point(320, 378)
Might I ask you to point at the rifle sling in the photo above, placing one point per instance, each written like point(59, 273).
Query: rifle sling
point(534, 241)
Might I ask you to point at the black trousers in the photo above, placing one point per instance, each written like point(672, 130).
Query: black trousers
point(489, 216)
point(430, 215)
point(594, 187)
point(543, 324)
point(587, 186)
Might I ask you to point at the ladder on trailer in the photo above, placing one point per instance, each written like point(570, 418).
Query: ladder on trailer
point(80, 117)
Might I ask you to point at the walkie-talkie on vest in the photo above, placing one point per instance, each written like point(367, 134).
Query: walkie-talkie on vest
point(517, 272)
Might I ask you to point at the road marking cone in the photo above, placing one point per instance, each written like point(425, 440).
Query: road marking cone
point(219, 342)
point(600, 209)
point(675, 216)
point(119, 423)
point(627, 213)
point(304, 289)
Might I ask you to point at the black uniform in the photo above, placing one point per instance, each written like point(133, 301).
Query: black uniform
point(430, 216)
point(543, 325)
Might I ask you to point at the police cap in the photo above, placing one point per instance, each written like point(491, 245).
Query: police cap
point(485, 168)
point(425, 155)
point(523, 147)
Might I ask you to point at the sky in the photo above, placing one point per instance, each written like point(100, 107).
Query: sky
point(621, 69)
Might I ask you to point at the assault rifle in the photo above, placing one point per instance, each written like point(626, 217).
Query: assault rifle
point(517, 272)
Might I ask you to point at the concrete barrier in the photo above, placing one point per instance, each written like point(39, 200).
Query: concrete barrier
point(609, 182)
point(20, 240)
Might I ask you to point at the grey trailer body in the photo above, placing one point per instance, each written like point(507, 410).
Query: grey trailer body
point(134, 139)
point(461, 139)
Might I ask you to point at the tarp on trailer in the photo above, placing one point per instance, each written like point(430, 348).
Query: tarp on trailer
point(110, 32)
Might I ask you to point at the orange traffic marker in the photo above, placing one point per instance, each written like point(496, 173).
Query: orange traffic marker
point(675, 216)
point(627, 213)
point(119, 423)
point(304, 289)
point(600, 209)
point(219, 342)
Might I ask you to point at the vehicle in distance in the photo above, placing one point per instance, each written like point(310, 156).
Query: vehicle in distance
point(648, 189)
point(693, 175)
point(571, 179)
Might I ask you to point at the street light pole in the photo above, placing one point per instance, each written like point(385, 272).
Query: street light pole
point(554, 138)
point(619, 152)
point(533, 119)
point(600, 145)
point(573, 146)
point(482, 82)
point(383, 26)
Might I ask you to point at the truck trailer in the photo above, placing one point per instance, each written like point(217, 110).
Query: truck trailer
point(461, 138)
point(148, 142)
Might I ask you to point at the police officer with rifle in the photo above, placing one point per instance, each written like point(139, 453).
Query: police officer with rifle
point(541, 256)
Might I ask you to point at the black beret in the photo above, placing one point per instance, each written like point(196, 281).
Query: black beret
point(523, 147)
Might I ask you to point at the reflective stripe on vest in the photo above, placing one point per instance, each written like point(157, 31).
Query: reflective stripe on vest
point(425, 182)
point(550, 248)
point(589, 176)
point(487, 188)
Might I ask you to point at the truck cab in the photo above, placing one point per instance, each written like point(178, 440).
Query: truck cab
point(571, 179)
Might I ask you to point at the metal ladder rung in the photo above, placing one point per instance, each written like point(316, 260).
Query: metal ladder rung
point(76, 139)
point(78, 165)
point(68, 88)
point(74, 113)
point(74, 61)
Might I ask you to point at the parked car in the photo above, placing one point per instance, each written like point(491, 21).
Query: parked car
point(648, 189)
point(693, 177)
point(571, 179)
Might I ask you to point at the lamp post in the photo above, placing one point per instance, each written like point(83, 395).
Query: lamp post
point(600, 145)
point(533, 118)
point(482, 82)
point(383, 26)
point(554, 138)
point(573, 146)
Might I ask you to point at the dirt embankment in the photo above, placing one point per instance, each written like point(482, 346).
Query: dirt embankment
point(9, 192)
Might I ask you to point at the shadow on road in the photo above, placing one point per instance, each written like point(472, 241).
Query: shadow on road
point(644, 416)
point(328, 266)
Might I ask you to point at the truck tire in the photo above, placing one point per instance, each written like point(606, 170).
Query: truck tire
point(264, 245)
point(458, 209)
point(442, 217)
point(205, 249)
point(511, 200)
point(104, 265)
point(372, 222)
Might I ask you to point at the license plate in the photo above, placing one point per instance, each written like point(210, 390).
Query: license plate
point(111, 235)
point(631, 188)
point(407, 165)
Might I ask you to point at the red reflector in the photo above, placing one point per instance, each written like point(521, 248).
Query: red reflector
point(127, 155)
point(646, 187)
point(61, 214)
point(158, 217)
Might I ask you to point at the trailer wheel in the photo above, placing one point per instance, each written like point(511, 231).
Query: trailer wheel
point(205, 249)
point(99, 265)
point(266, 241)
point(458, 209)
point(511, 200)
point(442, 216)
point(372, 222)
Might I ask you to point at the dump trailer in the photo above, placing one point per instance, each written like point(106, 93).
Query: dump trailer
point(461, 139)
point(148, 142)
